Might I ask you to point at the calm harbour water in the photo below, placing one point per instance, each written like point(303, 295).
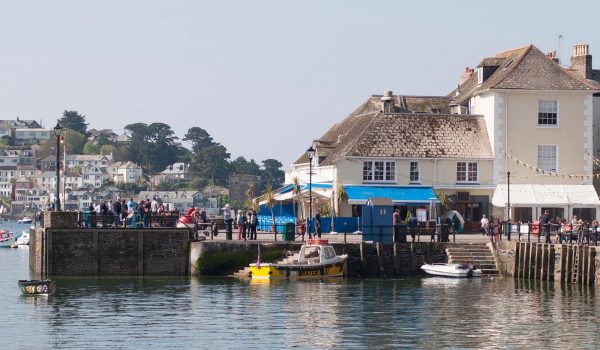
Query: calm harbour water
point(220, 313)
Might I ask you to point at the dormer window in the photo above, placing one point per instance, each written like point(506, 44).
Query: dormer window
point(479, 75)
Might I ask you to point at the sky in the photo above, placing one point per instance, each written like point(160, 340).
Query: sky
point(264, 78)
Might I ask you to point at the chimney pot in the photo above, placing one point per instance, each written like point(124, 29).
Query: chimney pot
point(387, 95)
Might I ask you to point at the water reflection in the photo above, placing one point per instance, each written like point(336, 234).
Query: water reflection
point(163, 313)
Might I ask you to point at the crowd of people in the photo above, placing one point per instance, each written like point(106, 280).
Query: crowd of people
point(564, 231)
point(121, 213)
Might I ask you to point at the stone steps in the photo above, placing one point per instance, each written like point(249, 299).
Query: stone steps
point(478, 255)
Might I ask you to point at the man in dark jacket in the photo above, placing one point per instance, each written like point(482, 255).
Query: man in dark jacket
point(413, 224)
point(544, 222)
point(117, 212)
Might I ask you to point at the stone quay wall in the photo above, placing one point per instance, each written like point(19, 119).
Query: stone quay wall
point(364, 259)
point(565, 263)
point(109, 252)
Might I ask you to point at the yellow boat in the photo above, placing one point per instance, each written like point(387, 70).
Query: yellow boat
point(317, 260)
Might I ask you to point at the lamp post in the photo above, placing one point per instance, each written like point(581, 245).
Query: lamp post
point(58, 130)
point(310, 152)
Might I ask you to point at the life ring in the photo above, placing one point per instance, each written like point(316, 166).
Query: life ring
point(44, 288)
point(39, 289)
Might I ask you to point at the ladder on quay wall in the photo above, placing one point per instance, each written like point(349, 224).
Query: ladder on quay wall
point(575, 271)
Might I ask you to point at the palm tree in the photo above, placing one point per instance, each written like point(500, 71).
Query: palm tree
point(445, 202)
point(250, 191)
point(269, 197)
point(296, 192)
point(341, 196)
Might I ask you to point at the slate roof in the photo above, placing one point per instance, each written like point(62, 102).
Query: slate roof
point(407, 135)
point(525, 68)
point(335, 143)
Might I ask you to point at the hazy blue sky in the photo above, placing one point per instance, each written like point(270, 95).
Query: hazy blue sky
point(262, 77)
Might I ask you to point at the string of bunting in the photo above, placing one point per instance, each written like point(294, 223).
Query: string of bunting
point(555, 174)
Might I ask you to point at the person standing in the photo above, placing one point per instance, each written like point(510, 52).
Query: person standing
point(544, 222)
point(240, 224)
point(117, 212)
point(396, 224)
point(485, 224)
point(413, 223)
point(318, 224)
point(253, 224)
point(227, 217)
point(104, 212)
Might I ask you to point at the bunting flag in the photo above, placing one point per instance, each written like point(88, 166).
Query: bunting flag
point(526, 165)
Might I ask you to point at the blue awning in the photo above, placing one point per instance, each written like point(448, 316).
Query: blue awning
point(304, 187)
point(409, 195)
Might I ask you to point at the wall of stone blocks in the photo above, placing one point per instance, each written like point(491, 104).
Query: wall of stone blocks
point(112, 252)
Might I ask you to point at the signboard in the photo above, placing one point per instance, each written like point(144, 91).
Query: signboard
point(422, 214)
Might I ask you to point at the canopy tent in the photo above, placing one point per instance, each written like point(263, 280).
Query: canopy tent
point(319, 190)
point(546, 195)
point(410, 195)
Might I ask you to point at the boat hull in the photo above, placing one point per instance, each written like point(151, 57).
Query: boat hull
point(23, 239)
point(37, 287)
point(8, 242)
point(451, 271)
point(297, 272)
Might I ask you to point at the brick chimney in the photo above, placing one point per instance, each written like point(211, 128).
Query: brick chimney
point(582, 61)
point(466, 75)
point(552, 55)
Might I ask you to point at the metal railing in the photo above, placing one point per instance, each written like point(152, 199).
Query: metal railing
point(578, 234)
point(87, 219)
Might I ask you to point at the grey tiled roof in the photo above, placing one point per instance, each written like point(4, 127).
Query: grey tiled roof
point(424, 136)
point(405, 135)
point(526, 68)
point(341, 137)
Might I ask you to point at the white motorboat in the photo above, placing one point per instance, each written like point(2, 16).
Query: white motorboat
point(452, 270)
point(23, 239)
point(7, 239)
point(25, 220)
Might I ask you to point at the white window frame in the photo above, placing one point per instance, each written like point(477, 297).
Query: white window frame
point(467, 171)
point(547, 148)
point(479, 75)
point(385, 169)
point(544, 106)
point(417, 171)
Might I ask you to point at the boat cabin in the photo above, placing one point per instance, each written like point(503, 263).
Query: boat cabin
point(315, 252)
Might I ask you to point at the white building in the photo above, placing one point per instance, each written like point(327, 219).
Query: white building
point(31, 136)
point(84, 160)
point(127, 172)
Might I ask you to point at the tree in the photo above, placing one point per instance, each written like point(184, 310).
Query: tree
point(108, 149)
point(272, 174)
point(241, 166)
point(199, 138)
point(90, 148)
point(269, 198)
point(74, 121)
point(74, 142)
point(341, 196)
point(152, 146)
point(296, 195)
point(211, 163)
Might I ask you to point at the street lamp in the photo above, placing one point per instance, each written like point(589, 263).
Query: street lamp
point(310, 152)
point(58, 130)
